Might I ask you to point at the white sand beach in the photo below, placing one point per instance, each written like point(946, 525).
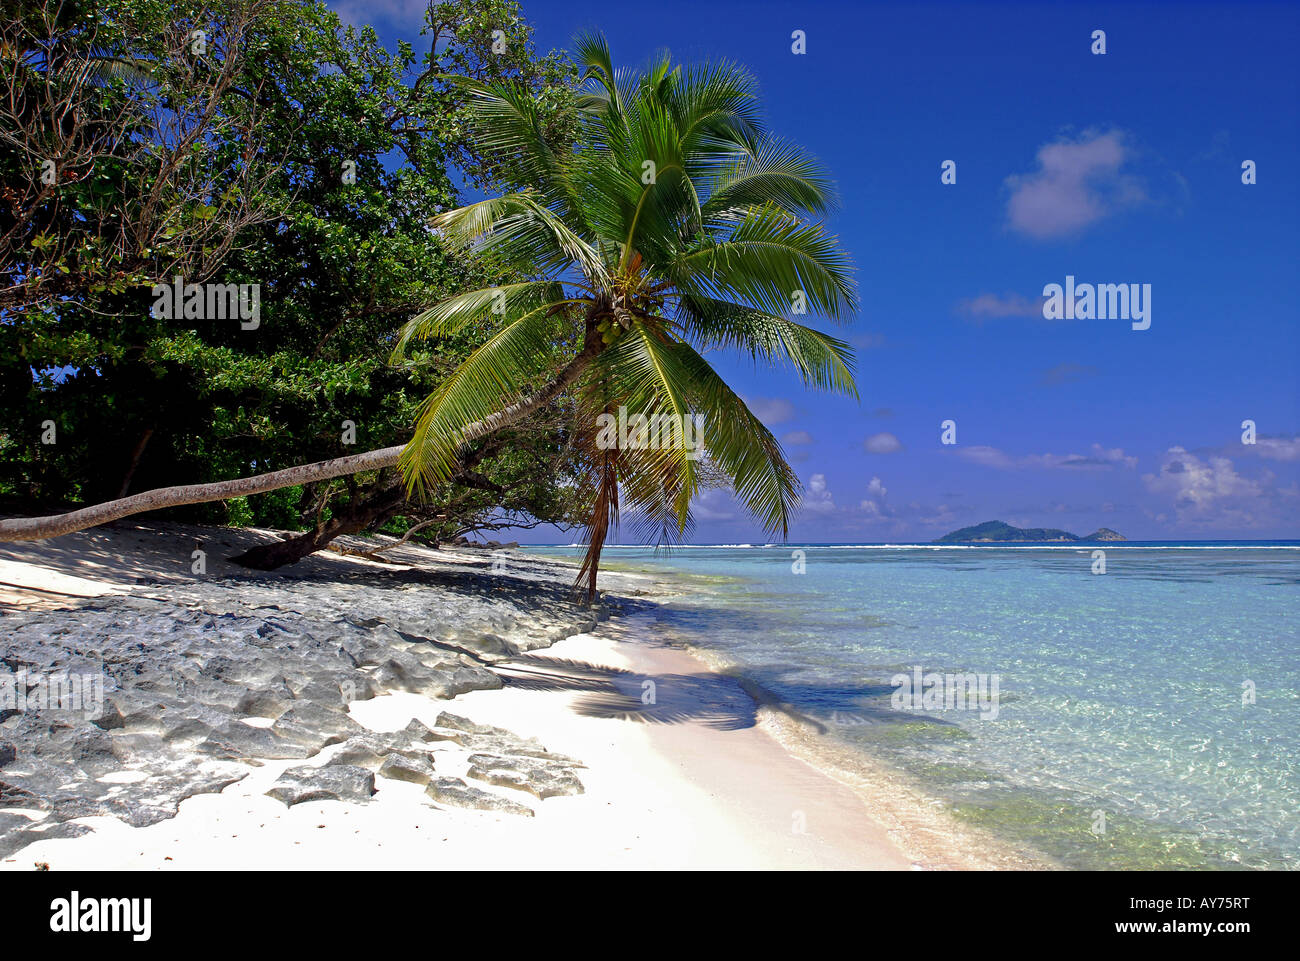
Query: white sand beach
point(699, 778)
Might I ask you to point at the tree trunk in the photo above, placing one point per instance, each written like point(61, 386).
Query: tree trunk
point(38, 528)
point(374, 509)
point(136, 454)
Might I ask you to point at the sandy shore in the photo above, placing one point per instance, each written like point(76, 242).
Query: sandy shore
point(682, 769)
point(657, 796)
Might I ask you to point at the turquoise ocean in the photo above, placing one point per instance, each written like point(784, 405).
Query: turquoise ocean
point(1147, 717)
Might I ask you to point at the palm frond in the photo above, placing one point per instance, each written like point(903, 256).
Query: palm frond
point(769, 257)
point(742, 446)
point(776, 173)
point(820, 360)
point(449, 317)
point(519, 231)
point(509, 127)
point(491, 375)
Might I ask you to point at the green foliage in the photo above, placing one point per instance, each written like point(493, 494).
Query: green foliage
point(262, 192)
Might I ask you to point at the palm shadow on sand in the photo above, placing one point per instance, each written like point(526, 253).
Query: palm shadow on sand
point(715, 700)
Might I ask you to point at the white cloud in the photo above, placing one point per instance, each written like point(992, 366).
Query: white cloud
point(1077, 183)
point(874, 503)
point(400, 13)
point(987, 456)
point(1204, 490)
point(715, 505)
point(797, 437)
point(882, 443)
point(1098, 458)
point(771, 410)
point(817, 497)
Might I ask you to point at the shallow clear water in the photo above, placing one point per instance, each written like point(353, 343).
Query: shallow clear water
point(1125, 735)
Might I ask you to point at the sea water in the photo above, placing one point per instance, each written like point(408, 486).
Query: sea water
point(1146, 717)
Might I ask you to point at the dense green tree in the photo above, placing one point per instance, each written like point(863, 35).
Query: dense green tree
point(288, 152)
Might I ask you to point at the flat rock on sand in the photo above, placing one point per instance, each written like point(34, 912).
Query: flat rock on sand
point(525, 774)
point(453, 792)
point(331, 782)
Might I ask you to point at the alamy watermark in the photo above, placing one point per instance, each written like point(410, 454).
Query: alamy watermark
point(75, 914)
point(919, 691)
point(654, 432)
point(1098, 302)
point(24, 692)
point(179, 300)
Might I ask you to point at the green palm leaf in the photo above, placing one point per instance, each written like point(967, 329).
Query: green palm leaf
point(479, 387)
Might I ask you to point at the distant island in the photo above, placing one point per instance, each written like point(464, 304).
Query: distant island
point(997, 531)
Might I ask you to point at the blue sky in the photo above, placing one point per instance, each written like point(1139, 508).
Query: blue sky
point(1115, 168)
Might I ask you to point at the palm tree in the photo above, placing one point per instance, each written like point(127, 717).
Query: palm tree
point(676, 225)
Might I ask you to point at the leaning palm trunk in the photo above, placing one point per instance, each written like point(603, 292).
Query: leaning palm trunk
point(39, 528)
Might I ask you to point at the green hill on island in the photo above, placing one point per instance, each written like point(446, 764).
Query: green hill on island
point(998, 532)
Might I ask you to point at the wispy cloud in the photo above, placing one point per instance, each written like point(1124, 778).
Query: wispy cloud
point(987, 456)
point(1274, 448)
point(1066, 374)
point(867, 341)
point(992, 307)
point(796, 437)
point(398, 13)
point(716, 505)
point(1098, 458)
point(1078, 182)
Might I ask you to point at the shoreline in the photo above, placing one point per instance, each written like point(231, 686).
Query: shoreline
point(916, 820)
point(699, 773)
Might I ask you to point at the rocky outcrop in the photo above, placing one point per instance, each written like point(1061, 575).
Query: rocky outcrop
point(205, 679)
point(483, 738)
point(17, 831)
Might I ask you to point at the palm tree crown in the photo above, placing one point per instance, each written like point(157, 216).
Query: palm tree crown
point(673, 226)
